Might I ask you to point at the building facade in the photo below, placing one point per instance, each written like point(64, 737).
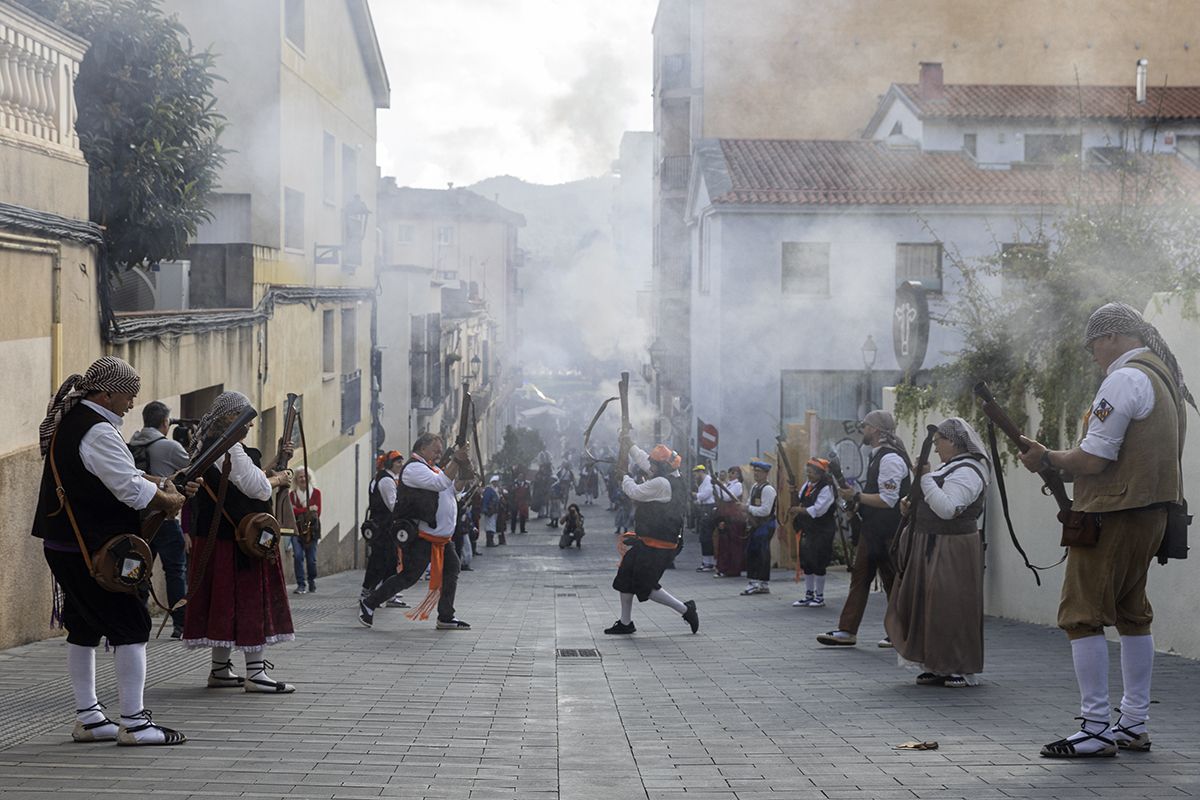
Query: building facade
point(449, 311)
point(806, 69)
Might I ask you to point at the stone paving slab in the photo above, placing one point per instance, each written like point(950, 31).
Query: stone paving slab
point(749, 709)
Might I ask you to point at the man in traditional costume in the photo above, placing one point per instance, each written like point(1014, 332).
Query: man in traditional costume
point(1127, 471)
point(239, 601)
point(935, 610)
point(879, 507)
point(816, 523)
point(659, 505)
point(91, 491)
point(429, 503)
point(520, 495)
point(760, 509)
point(381, 555)
point(706, 517)
point(490, 511)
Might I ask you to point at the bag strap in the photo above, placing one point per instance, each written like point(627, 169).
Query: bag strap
point(65, 503)
point(1004, 506)
point(220, 500)
point(199, 567)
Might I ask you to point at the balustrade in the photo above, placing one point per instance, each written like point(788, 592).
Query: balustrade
point(38, 67)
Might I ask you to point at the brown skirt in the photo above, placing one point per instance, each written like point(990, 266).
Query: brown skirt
point(935, 612)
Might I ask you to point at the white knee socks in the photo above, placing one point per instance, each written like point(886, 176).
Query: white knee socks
point(820, 580)
point(222, 667)
point(130, 662)
point(1137, 664)
point(626, 608)
point(1090, 656)
point(810, 583)
point(667, 599)
point(81, 666)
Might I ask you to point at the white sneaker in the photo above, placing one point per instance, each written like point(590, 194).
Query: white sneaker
point(885, 641)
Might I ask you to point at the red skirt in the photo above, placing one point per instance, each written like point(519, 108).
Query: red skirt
point(239, 606)
point(731, 544)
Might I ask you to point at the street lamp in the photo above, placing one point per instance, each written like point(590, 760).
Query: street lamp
point(869, 352)
point(476, 362)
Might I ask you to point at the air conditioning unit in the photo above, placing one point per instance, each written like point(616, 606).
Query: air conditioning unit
point(171, 285)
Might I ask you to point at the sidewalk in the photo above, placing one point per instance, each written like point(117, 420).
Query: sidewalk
point(750, 708)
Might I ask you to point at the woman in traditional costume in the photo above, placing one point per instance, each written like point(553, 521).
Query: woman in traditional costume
point(935, 614)
point(239, 601)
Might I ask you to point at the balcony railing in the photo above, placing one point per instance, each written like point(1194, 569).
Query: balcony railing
point(38, 68)
point(351, 400)
point(674, 172)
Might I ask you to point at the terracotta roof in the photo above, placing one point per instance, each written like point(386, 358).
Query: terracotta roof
point(1054, 102)
point(813, 172)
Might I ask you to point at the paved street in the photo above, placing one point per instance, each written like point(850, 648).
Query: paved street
point(750, 708)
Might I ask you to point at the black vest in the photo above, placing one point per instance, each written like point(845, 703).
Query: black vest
point(377, 510)
point(99, 513)
point(662, 521)
point(420, 505)
point(827, 522)
point(882, 522)
point(237, 505)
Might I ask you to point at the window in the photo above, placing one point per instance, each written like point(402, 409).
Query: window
point(293, 219)
point(969, 144)
point(349, 173)
point(806, 268)
point(293, 23)
point(327, 364)
point(1051, 148)
point(1189, 147)
point(404, 234)
point(445, 234)
point(349, 340)
point(921, 263)
point(1019, 264)
point(329, 165)
point(897, 129)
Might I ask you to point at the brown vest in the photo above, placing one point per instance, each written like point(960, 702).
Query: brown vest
point(1147, 469)
point(967, 520)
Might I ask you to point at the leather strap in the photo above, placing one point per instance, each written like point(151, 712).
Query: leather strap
point(999, 470)
point(200, 566)
point(65, 503)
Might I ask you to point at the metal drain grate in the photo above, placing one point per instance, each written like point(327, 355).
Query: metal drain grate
point(578, 653)
point(566, 594)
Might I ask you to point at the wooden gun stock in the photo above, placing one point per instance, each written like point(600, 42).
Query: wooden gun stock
point(285, 515)
point(1053, 481)
point(199, 466)
point(460, 436)
point(785, 461)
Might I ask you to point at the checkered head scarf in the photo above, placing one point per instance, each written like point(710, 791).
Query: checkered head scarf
point(1121, 318)
point(959, 432)
point(107, 374)
point(227, 406)
point(885, 423)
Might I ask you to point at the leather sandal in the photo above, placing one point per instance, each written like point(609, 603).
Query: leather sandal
point(267, 686)
point(1137, 742)
point(216, 681)
point(126, 738)
point(86, 733)
point(1065, 748)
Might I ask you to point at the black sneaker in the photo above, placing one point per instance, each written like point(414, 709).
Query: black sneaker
point(366, 614)
point(690, 616)
point(312, 588)
point(620, 629)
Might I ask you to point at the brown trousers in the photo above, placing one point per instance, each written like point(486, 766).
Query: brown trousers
point(1105, 585)
point(861, 575)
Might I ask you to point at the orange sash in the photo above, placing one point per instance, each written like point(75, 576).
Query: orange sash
point(437, 561)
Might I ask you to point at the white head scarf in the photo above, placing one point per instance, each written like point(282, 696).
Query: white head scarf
point(960, 433)
point(1122, 318)
point(224, 408)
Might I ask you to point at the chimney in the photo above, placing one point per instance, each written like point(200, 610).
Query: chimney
point(1142, 65)
point(931, 81)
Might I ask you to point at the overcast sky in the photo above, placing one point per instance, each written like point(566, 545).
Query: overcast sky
point(539, 89)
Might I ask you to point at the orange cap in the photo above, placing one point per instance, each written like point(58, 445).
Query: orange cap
point(662, 454)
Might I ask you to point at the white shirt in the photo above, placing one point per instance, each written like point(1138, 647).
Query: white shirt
point(766, 500)
point(960, 489)
point(249, 479)
point(731, 492)
point(105, 455)
point(704, 494)
point(387, 489)
point(1125, 395)
point(420, 475)
point(892, 472)
point(824, 500)
point(654, 490)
